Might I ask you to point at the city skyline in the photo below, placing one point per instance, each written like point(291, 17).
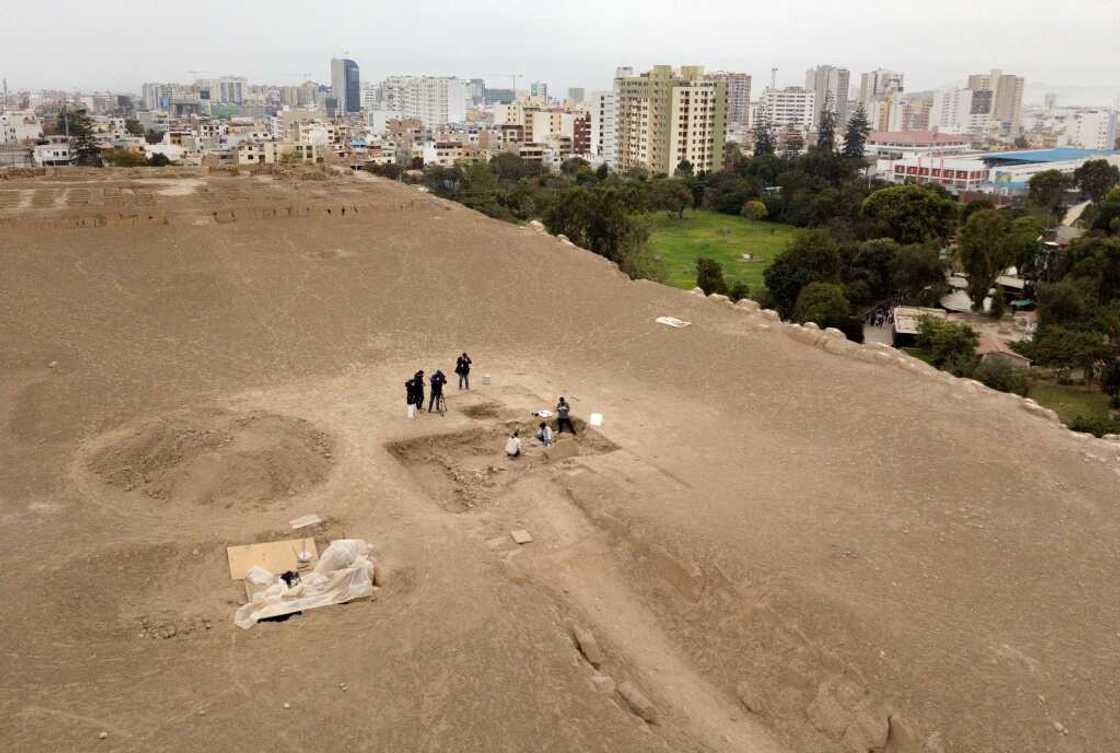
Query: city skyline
point(568, 55)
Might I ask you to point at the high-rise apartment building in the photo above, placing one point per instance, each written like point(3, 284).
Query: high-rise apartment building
point(604, 135)
point(878, 83)
point(791, 106)
point(829, 84)
point(433, 100)
point(476, 91)
point(346, 86)
point(539, 89)
point(961, 111)
point(576, 94)
point(1091, 129)
point(738, 96)
point(1007, 96)
point(666, 116)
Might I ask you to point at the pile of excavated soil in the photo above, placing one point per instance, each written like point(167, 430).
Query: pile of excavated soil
point(218, 458)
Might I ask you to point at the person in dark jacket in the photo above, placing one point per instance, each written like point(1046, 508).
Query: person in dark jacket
point(410, 396)
point(437, 380)
point(463, 369)
point(418, 388)
point(563, 418)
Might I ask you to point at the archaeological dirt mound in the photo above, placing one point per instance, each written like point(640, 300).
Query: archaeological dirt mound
point(217, 457)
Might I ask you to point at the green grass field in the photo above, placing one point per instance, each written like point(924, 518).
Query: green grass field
point(722, 237)
point(1070, 402)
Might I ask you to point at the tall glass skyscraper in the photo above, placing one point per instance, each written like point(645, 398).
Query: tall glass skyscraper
point(345, 85)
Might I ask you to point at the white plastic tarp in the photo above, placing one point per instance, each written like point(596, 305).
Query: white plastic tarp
point(344, 573)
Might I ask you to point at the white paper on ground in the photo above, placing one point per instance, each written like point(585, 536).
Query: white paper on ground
point(671, 321)
point(543, 413)
point(596, 419)
point(344, 573)
point(305, 520)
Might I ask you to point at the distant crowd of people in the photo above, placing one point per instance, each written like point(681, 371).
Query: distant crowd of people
point(414, 387)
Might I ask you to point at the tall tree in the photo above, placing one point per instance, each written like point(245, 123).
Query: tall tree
point(1096, 178)
point(855, 136)
point(910, 214)
point(82, 143)
point(983, 251)
point(1048, 192)
point(763, 138)
point(826, 131)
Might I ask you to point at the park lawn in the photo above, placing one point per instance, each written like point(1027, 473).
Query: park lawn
point(1069, 401)
point(723, 237)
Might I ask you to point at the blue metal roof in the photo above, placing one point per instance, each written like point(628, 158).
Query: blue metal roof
point(1061, 154)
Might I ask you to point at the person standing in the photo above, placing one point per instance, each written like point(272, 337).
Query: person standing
point(410, 396)
point(563, 417)
point(418, 389)
point(463, 369)
point(437, 380)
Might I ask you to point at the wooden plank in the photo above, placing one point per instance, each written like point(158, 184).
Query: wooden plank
point(274, 556)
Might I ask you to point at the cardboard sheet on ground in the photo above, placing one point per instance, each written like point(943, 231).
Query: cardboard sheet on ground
point(672, 321)
point(344, 573)
point(274, 556)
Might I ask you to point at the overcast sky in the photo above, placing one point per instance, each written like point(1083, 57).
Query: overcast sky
point(1072, 46)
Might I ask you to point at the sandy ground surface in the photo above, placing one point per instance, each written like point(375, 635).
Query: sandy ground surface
point(773, 548)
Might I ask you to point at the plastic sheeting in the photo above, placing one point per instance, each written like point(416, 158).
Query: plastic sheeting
point(344, 573)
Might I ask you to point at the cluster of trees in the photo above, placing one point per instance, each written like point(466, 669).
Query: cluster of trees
point(833, 282)
point(951, 346)
point(1079, 313)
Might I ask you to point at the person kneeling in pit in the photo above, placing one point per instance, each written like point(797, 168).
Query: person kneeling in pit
point(513, 445)
point(544, 434)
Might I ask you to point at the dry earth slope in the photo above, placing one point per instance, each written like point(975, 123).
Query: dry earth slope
point(776, 542)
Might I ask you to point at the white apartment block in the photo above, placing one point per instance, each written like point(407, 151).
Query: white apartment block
point(433, 100)
point(18, 127)
point(792, 106)
point(961, 111)
point(1091, 129)
point(604, 136)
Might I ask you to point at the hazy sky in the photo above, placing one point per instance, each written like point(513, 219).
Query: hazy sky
point(1056, 44)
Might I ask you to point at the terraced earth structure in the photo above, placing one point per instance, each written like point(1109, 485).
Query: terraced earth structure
point(777, 540)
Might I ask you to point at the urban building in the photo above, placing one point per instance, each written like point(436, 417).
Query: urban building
point(19, 127)
point(539, 89)
point(877, 84)
point(603, 135)
point(961, 111)
point(738, 97)
point(346, 85)
point(499, 96)
point(476, 91)
point(433, 100)
point(791, 106)
point(829, 85)
point(581, 135)
point(1089, 129)
point(666, 116)
point(1007, 96)
point(576, 95)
